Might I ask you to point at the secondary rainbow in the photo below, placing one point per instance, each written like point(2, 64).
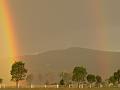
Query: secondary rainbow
point(101, 32)
point(8, 39)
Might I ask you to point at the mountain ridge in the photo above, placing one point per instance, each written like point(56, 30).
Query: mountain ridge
point(98, 62)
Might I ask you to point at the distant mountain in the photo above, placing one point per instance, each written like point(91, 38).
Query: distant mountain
point(53, 62)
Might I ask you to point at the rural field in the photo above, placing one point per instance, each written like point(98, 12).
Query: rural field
point(61, 89)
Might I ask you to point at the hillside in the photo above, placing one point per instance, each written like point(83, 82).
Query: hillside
point(56, 61)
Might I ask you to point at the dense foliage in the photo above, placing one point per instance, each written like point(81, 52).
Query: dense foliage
point(18, 72)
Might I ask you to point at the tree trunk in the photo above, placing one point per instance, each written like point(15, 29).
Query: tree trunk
point(69, 85)
point(45, 86)
point(31, 86)
point(82, 85)
point(17, 84)
point(118, 80)
point(90, 85)
point(99, 85)
point(78, 84)
point(57, 86)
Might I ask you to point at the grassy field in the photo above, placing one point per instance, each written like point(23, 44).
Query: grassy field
point(63, 89)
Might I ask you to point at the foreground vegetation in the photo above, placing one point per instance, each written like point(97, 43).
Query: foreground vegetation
point(79, 78)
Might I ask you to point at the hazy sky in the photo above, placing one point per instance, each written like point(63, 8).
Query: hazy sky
point(57, 24)
point(43, 25)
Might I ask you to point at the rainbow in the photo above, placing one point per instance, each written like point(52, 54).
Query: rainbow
point(97, 7)
point(8, 41)
point(9, 44)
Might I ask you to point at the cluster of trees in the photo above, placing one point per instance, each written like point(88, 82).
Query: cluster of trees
point(115, 78)
point(79, 76)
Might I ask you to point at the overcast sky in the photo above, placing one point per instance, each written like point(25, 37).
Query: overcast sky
point(43, 25)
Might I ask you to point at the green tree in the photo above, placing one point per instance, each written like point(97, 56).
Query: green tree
point(29, 79)
point(67, 77)
point(91, 79)
point(79, 75)
point(62, 82)
point(117, 76)
point(98, 80)
point(18, 72)
point(112, 80)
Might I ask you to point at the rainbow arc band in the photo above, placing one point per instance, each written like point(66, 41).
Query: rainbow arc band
point(9, 41)
point(97, 7)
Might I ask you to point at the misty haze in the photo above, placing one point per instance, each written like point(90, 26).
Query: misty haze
point(60, 44)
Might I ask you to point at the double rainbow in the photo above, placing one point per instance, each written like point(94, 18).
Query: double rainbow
point(9, 42)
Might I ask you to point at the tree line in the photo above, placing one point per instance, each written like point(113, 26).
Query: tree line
point(79, 77)
point(82, 77)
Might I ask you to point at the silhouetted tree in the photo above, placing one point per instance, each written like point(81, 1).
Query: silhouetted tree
point(18, 72)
